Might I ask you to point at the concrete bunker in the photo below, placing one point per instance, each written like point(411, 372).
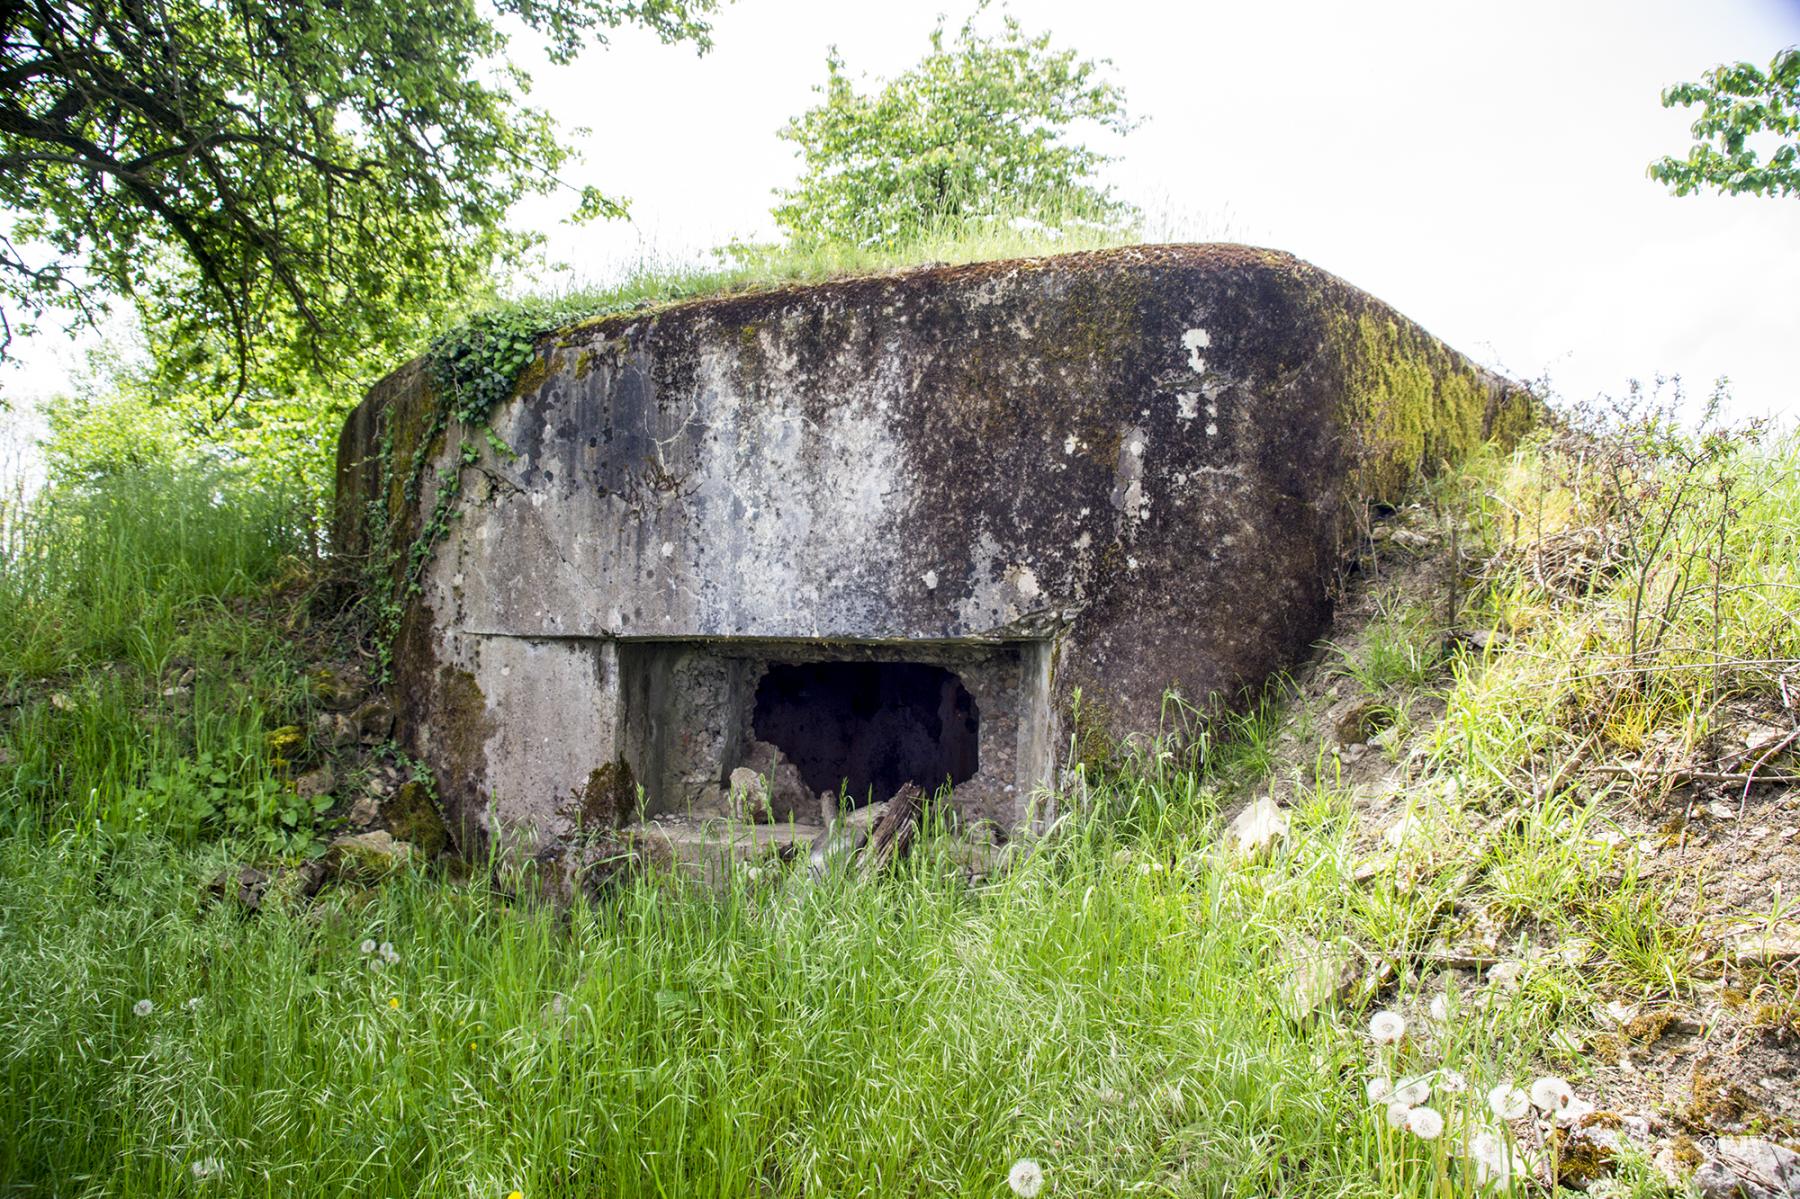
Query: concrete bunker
point(950, 521)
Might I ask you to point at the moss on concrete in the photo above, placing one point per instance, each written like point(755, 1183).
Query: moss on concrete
point(609, 797)
point(1409, 406)
point(412, 816)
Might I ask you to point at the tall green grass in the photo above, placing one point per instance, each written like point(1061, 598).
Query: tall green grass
point(110, 595)
point(1113, 1010)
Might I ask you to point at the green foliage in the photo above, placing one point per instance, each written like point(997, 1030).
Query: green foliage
point(123, 417)
point(282, 189)
point(1400, 647)
point(138, 675)
point(1740, 105)
point(980, 130)
point(206, 794)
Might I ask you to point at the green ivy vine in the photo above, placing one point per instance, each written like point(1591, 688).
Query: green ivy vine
point(474, 368)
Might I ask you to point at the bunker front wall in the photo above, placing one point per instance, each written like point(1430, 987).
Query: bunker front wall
point(1088, 479)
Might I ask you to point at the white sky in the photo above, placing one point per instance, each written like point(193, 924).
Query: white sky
point(1480, 167)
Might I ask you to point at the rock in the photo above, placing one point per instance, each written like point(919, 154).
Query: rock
point(978, 857)
point(788, 796)
point(364, 812)
point(335, 690)
point(372, 854)
point(1506, 975)
point(245, 884)
point(1408, 830)
point(315, 783)
point(374, 721)
point(286, 743)
point(1588, 1151)
point(1258, 828)
point(1676, 1161)
point(1764, 946)
point(1361, 719)
point(749, 800)
point(1749, 1168)
point(1313, 977)
point(413, 816)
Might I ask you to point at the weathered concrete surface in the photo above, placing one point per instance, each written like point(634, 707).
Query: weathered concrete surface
point(1099, 474)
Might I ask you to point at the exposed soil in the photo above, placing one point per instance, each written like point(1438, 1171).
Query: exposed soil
point(1715, 1054)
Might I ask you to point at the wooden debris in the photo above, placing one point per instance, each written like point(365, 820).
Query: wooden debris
point(893, 831)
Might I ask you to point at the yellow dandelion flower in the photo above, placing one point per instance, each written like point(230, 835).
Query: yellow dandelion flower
point(394, 1002)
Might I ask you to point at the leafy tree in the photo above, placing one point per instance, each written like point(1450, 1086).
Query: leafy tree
point(980, 128)
point(1739, 103)
point(280, 186)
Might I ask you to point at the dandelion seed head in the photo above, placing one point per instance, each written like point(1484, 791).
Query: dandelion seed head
point(1551, 1094)
point(388, 952)
point(1412, 1091)
point(1452, 1082)
point(1440, 1009)
point(193, 1004)
point(1379, 1089)
point(1508, 1102)
point(1396, 1115)
point(1574, 1111)
point(1425, 1123)
point(368, 946)
point(1387, 1027)
point(1026, 1178)
point(143, 1007)
point(1494, 1163)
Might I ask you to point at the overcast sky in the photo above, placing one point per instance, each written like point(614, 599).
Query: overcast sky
point(1480, 167)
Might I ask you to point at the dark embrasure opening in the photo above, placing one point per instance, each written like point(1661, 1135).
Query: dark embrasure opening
point(871, 727)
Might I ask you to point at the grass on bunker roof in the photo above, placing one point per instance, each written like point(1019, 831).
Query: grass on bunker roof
point(741, 268)
point(1133, 1004)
